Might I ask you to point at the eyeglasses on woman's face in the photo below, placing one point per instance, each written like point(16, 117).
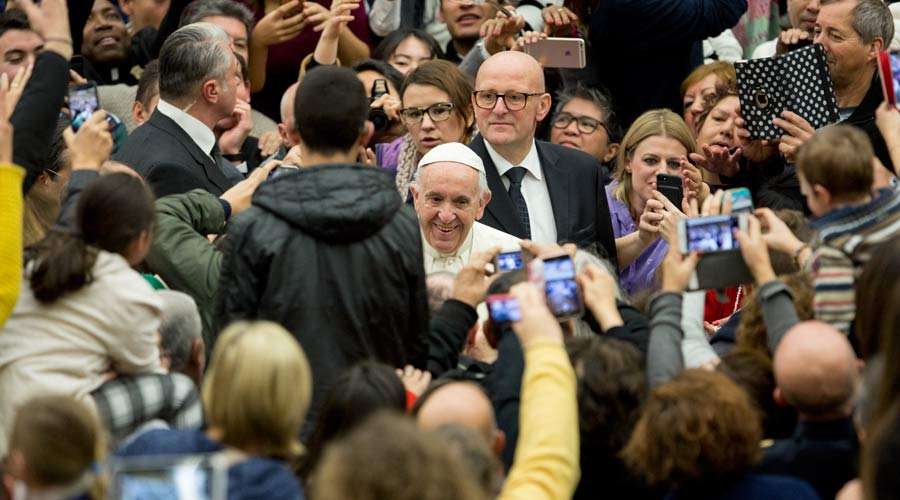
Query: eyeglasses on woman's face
point(438, 112)
point(586, 124)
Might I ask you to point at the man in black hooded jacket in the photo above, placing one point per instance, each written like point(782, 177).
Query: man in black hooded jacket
point(330, 252)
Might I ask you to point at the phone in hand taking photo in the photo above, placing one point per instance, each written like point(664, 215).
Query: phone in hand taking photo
point(671, 187)
point(503, 309)
point(83, 102)
point(556, 275)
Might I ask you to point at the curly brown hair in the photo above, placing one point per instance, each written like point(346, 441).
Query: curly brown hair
point(701, 425)
point(751, 331)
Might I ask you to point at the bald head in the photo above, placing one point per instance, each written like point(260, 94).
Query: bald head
point(459, 403)
point(816, 370)
point(518, 65)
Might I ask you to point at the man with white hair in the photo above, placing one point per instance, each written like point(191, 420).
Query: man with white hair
point(450, 193)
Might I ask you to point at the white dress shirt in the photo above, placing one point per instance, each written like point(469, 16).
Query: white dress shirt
point(479, 239)
point(202, 135)
point(534, 190)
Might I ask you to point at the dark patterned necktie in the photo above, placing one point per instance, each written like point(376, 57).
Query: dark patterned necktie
point(515, 176)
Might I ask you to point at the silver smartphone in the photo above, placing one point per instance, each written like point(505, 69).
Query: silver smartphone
point(558, 52)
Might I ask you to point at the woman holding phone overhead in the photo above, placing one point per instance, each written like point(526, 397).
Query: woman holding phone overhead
point(658, 142)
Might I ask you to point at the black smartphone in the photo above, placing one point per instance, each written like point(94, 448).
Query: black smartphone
point(671, 187)
point(560, 287)
point(508, 261)
point(83, 102)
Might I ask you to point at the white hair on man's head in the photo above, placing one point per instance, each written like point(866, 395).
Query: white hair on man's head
point(180, 326)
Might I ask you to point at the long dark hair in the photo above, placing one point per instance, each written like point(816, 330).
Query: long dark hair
point(112, 212)
point(359, 392)
point(389, 45)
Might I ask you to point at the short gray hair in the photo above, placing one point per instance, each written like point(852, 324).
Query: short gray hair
point(191, 56)
point(482, 179)
point(180, 326)
point(871, 19)
point(198, 10)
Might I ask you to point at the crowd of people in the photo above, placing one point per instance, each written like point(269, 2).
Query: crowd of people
point(268, 237)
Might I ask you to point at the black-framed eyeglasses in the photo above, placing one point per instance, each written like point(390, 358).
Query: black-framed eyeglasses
point(438, 112)
point(514, 101)
point(586, 124)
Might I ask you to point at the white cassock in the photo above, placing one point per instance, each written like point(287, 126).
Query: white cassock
point(480, 238)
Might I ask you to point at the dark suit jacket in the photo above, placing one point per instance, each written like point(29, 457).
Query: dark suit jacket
point(575, 184)
point(169, 160)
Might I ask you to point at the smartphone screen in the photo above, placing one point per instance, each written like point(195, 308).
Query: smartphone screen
point(741, 200)
point(503, 309)
point(889, 68)
point(560, 286)
point(83, 102)
point(509, 261)
point(711, 234)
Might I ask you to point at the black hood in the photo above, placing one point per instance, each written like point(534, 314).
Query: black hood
point(333, 203)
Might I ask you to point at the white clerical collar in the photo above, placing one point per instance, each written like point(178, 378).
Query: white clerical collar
point(461, 253)
point(532, 161)
point(202, 135)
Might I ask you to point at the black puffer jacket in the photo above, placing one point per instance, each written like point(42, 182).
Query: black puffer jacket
point(331, 254)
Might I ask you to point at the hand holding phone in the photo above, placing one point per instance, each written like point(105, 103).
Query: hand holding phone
point(509, 261)
point(556, 276)
point(83, 102)
point(503, 309)
point(672, 187)
point(558, 52)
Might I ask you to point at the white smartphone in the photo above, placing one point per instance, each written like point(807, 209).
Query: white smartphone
point(721, 264)
point(558, 52)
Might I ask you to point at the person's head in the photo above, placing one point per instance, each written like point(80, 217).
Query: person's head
point(751, 331)
point(816, 371)
point(460, 403)
point(19, 44)
point(330, 111)
point(115, 214)
point(853, 32)
point(449, 193)
point(144, 13)
point(699, 427)
point(802, 14)
point(751, 369)
point(43, 201)
point(55, 442)
point(479, 460)
point(357, 393)
point(407, 48)
point(233, 17)
point(106, 41)
point(611, 389)
point(199, 72)
point(835, 167)
point(716, 124)
point(181, 339)
point(701, 83)
point(257, 389)
point(585, 120)
point(388, 457)
point(439, 286)
point(464, 19)
point(880, 276)
point(147, 96)
point(370, 70)
point(436, 105)
point(287, 125)
point(656, 143)
point(509, 122)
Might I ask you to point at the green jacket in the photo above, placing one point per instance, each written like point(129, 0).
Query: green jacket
point(181, 253)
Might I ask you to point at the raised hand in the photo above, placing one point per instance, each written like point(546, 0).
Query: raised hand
point(558, 21)
point(92, 145)
point(231, 141)
point(280, 25)
point(471, 283)
point(796, 132)
point(339, 16)
point(598, 288)
point(755, 251)
point(240, 195)
point(500, 33)
point(537, 322)
point(50, 19)
point(677, 270)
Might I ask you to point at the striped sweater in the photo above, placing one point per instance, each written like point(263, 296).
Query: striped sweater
point(845, 240)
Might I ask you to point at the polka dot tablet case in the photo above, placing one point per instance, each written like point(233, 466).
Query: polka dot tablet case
point(798, 81)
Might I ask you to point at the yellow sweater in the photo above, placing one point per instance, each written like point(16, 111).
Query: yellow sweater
point(546, 461)
point(11, 178)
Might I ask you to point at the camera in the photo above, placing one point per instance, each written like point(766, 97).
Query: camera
point(377, 115)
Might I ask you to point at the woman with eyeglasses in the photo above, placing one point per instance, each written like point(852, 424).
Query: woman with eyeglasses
point(585, 120)
point(436, 110)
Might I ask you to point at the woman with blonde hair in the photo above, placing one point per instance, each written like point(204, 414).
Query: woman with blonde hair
point(658, 142)
point(256, 394)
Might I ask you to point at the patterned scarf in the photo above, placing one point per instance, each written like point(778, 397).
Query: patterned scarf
point(407, 162)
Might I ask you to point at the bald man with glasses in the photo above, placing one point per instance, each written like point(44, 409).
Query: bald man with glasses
point(541, 191)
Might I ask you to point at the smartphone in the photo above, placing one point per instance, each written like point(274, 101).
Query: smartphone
point(889, 69)
point(558, 52)
point(283, 169)
point(508, 261)
point(741, 200)
point(83, 102)
point(714, 233)
point(560, 287)
point(671, 187)
point(503, 309)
